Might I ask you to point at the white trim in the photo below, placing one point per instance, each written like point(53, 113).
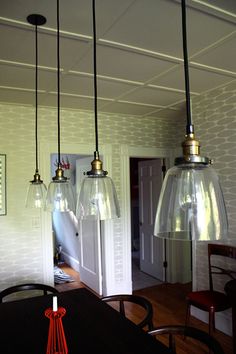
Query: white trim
point(107, 243)
point(46, 220)
point(125, 153)
point(74, 263)
point(45, 149)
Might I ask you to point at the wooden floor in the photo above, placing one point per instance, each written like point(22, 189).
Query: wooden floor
point(169, 307)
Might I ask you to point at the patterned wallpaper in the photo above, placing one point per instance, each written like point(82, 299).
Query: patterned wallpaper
point(20, 241)
point(214, 116)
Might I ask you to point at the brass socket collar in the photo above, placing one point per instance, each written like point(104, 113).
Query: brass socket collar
point(59, 175)
point(191, 151)
point(97, 169)
point(36, 179)
point(190, 145)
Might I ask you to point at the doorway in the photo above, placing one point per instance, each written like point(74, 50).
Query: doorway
point(65, 225)
point(144, 272)
point(78, 241)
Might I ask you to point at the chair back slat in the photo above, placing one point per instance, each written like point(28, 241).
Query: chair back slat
point(186, 331)
point(27, 287)
point(122, 299)
point(224, 251)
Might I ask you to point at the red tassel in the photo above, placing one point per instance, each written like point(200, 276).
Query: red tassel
point(56, 336)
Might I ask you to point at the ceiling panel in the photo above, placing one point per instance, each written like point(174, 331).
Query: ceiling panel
point(200, 80)
point(129, 35)
point(76, 15)
point(15, 44)
point(167, 113)
point(18, 96)
point(126, 108)
point(82, 85)
point(119, 63)
point(219, 55)
point(153, 96)
point(18, 44)
point(228, 5)
point(145, 26)
point(73, 101)
point(23, 77)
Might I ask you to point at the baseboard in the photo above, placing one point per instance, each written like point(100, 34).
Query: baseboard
point(72, 262)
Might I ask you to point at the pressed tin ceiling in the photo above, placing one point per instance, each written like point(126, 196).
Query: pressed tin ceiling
point(139, 53)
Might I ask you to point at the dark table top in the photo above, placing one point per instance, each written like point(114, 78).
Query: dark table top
point(90, 326)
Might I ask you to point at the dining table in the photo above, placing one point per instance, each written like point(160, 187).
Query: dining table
point(90, 326)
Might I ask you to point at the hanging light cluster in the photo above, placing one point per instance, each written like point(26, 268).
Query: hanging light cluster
point(97, 198)
point(191, 204)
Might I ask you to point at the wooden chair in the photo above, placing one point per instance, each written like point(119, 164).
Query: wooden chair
point(124, 301)
point(230, 289)
point(211, 300)
point(25, 287)
point(178, 330)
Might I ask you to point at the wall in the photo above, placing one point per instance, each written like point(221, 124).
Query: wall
point(21, 234)
point(214, 116)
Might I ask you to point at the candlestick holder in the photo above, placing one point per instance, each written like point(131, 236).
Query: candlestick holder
point(56, 336)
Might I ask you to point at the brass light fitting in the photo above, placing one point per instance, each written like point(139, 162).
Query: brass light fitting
point(96, 170)
point(37, 179)
point(191, 151)
point(59, 175)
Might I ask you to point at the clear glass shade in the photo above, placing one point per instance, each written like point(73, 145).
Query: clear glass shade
point(36, 195)
point(97, 199)
point(191, 205)
point(60, 197)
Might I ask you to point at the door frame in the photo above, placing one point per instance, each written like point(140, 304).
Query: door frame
point(45, 151)
point(126, 152)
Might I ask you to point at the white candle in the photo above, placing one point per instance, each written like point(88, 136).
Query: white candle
point(54, 303)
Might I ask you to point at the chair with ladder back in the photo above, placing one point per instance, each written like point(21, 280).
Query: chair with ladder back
point(211, 300)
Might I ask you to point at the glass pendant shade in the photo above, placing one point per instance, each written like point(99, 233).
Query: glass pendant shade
point(36, 195)
point(60, 197)
point(191, 205)
point(97, 199)
point(37, 190)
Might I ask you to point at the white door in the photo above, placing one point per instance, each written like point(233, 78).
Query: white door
point(89, 239)
point(151, 247)
point(90, 254)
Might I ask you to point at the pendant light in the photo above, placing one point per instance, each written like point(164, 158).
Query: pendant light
point(191, 204)
point(97, 198)
point(37, 189)
point(60, 194)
